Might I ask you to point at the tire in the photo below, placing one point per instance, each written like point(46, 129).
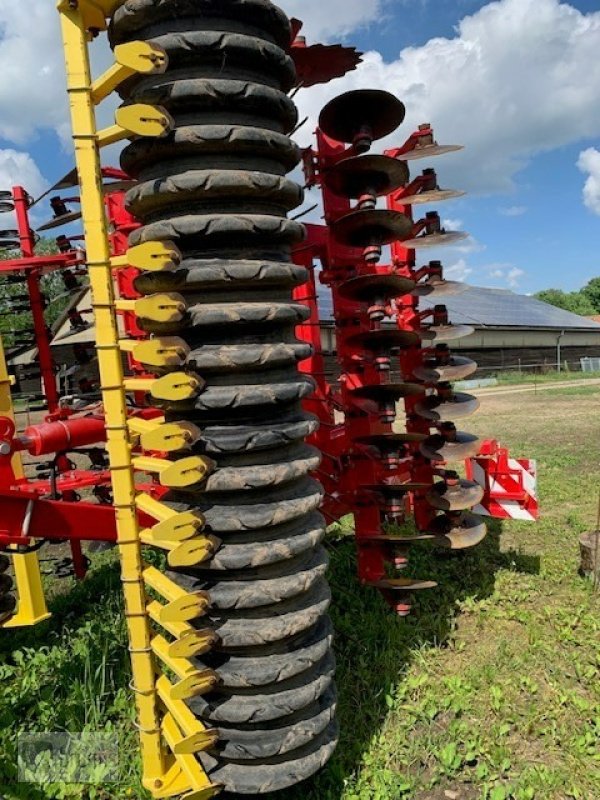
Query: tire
point(217, 187)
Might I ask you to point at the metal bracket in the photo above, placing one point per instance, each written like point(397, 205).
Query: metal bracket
point(142, 58)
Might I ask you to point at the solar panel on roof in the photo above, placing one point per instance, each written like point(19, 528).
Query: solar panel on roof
point(485, 307)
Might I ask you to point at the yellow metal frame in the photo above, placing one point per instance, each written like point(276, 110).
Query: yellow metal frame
point(169, 737)
point(32, 607)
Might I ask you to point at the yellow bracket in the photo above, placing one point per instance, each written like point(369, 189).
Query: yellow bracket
point(181, 606)
point(167, 307)
point(176, 474)
point(174, 526)
point(94, 13)
point(141, 58)
point(185, 554)
point(185, 772)
point(176, 386)
point(150, 257)
point(189, 641)
point(196, 738)
point(163, 351)
point(30, 592)
point(192, 681)
point(164, 437)
point(138, 119)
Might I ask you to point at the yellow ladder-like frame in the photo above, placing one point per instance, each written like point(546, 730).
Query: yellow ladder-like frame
point(162, 717)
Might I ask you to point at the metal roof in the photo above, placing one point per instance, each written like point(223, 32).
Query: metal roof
point(493, 308)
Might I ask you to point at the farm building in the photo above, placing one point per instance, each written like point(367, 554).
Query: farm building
point(510, 330)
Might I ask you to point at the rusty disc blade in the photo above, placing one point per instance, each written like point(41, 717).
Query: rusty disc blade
point(466, 494)
point(366, 288)
point(382, 340)
point(397, 540)
point(345, 116)
point(64, 219)
point(457, 369)
point(445, 410)
point(387, 441)
point(322, 63)
point(438, 287)
point(445, 333)
point(393, 490)
point(467, 532)
point(431, 150)
point(373, 174)
point(388, 392)
point(401, 585)
point(436, 239)
point(371, 227)
point(433, 196)
point(436, 448)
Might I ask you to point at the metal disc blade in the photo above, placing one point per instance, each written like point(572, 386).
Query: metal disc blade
point(392, 490)
point(429, 151)
point(118, 186)
point(64, 219)
point(366, 288)
point(436, 239)
point(457, 369)
point(439, 288)
point(378, 341)
point(466, 494)
point(402, 585)
point(436, 448)
point(372, 174)
point(439, 410)
point(322, 63)
point(468, 532)
point(446, 333)
point(433, 196)
point(371, 227)
point(397, 540)
point(345, 116)
point(388, 392)
point(387, 441)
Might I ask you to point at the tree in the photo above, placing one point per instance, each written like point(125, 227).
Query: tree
point(575, 302)
point(592, 291)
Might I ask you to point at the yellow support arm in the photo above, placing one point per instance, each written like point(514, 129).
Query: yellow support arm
point(132, 58)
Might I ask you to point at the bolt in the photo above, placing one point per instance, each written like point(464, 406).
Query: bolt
point(5, 448)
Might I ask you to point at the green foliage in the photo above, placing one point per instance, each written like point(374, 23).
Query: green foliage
point(52, 287)
point(576, 302)
point(585, 302)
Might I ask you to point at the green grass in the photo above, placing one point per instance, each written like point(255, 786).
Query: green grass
point(491, 689)
point(514, 377)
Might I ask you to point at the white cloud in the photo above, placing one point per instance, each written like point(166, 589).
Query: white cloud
point(513, 211)
point(506, 88)
point(32, 93)
point(589, 164)
point(326, 18)
point(458, 271)
point(17, 168)
point(450, 224)
point(505, 274)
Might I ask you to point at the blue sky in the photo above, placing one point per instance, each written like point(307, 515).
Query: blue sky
point(517, 81)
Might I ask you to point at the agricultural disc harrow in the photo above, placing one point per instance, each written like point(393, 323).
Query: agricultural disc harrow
point(246, 450)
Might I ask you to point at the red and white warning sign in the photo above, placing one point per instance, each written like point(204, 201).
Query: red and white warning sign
point(510, 484)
